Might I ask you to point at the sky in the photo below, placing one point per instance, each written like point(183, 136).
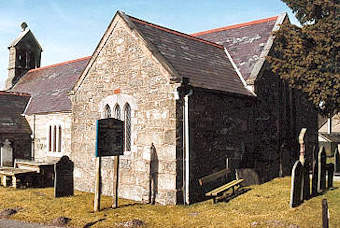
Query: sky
point(71, 29)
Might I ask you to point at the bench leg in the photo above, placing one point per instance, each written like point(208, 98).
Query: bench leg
point(214, 200)
point(4, 181)
point(14, 182)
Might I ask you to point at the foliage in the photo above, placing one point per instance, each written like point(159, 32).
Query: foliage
point(308, 57)
point(265, 205)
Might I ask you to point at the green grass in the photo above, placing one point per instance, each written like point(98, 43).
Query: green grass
point(264, 205)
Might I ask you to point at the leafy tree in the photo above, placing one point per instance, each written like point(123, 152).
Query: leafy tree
point(308, 57)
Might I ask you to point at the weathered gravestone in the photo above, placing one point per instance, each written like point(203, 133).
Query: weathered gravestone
point(63, 181)
point(321, 170)
point(330, 174)
point(6, 155)
point(315, 172)
point(337, 161)
point(296, 191)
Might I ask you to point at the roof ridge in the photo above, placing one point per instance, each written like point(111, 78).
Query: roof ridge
point(175, 32)
point(14, 93)
point(59, 64)
point(235, 26)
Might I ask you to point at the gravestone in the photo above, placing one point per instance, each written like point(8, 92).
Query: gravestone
point(306, 184)
point(321, 170)
point(315, 172)
point(297, 182)
point(337, 161)
point(63, 181)
point(330, 174)
point(6, 154)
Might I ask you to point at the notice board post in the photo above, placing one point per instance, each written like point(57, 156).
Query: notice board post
point(109, 142)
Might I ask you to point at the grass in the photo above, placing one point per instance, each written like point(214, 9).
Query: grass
point(264, 205)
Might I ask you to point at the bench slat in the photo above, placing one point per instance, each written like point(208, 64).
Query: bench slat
point(223, 188)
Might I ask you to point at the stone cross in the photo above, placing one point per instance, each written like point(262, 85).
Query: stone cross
point(6, 154)
point(321, 170)
point(296, 191)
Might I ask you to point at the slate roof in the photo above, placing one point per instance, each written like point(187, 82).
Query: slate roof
point(12, 105)
point(50, 85)
point(204, 63)
point(245, 42)
point(334, 137)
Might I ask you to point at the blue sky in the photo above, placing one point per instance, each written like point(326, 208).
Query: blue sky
point(70, 29)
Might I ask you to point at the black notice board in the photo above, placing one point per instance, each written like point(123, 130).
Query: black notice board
point(110, 137)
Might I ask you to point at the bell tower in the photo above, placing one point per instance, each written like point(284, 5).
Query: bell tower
point(24, 55)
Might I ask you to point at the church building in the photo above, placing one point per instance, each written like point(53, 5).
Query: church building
point(188, 102)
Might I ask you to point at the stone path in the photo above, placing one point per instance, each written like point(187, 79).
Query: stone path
point(6, 223)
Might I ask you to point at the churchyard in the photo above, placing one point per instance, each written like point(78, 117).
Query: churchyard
point(264, 205)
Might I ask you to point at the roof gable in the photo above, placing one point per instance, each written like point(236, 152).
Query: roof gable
point(25, 35)
point(203, 62)
point(248, 43)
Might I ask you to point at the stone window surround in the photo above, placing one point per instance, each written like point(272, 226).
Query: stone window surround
point(59, 126)
point(121, 99)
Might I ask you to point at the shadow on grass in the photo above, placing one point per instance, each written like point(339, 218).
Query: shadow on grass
point(236, 194)
point(122, 206)
point(87, 225)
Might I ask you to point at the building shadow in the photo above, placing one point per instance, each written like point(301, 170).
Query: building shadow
point(153, 180)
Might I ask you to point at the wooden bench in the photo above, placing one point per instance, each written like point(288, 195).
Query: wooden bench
point(219, 178)
point(16, 177)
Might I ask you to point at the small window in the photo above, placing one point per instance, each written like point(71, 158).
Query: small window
point(59, 139)
point(117, 112)
point(55, 139)
point(50, 139)
point(107, 111)
point(127, 119)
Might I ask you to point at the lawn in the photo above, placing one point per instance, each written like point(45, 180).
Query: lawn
point(264, 205)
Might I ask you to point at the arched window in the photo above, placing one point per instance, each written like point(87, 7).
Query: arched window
point(107, 111)
point(55, 139)
point(117, 112)
point(127, 119)
point(59, 139)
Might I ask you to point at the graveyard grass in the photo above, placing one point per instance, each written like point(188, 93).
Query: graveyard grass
point(264, 205)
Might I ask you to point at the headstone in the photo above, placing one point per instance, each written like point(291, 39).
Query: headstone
point(337, 161)
point(330, 174)
point(321, 170)
point(6, 154)
point(306, 184)
point(296, 191)
point(315, 172)
point(63, 181)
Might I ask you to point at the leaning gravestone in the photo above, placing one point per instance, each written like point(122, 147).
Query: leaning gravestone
point(63, 181)
point(330, 174)
point(321, 170)
point(337, 161)
point(315, 172)
point(6, 154)
point(296, 191)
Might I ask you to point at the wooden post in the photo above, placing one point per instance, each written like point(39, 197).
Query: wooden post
point(115, 181)
point(98, 185)
point(325, 214)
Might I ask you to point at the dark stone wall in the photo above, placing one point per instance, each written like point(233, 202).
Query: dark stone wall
point(219, 123)
point(21, 144)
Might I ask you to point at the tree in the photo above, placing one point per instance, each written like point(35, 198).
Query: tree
point(308, 57)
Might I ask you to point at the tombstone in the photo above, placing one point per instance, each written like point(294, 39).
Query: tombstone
point(296, 191)
point(315, 172)
point(330, 174)
point(321, 170)
point(337, 161)
point(63, 181)
point(6, 154)
point(306, 184)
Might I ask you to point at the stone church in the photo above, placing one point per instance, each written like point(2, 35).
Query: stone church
point(188, 102)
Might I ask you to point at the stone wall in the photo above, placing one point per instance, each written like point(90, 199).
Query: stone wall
point(40, 124)
point(126, 69)
point(219, 125)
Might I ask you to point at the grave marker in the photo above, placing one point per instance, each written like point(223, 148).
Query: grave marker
point(321, 170)
point(297, 182)
point(6, 154)
point(337, 161)
point(63, 181)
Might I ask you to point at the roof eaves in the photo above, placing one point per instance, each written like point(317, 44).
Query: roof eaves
point(259, 64)
point(21, 36)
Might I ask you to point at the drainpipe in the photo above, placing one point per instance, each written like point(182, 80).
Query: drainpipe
point(33, 139)
point(329, 125)
point(184, 92)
